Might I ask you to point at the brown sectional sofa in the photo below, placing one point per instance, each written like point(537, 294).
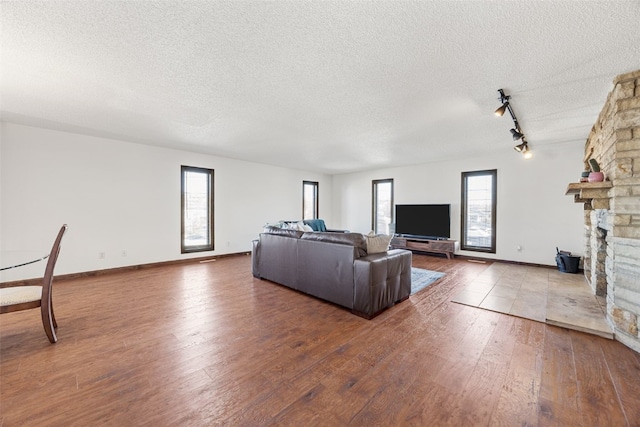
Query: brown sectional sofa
point(334, 267)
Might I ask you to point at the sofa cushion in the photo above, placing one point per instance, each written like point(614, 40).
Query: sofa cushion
point(283, 232)
point(377, 243)
point(352, 239)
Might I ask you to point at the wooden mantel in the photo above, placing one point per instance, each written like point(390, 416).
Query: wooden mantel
point(577, 187)
point(594, 194)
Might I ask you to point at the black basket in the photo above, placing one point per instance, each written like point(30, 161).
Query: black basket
point(566, 262)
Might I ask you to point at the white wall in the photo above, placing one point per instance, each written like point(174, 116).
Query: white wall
point(533, 211)
point(118, 196)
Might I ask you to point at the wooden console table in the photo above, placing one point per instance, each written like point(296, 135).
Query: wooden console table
point(447, 247)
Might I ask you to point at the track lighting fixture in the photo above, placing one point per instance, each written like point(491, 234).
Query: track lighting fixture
point(516, 135)
point(500, 111)
point(521, 148)
point(516, 132)
point(524, 149)
point(505, 103)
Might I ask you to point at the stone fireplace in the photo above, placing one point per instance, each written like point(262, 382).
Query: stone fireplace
point(612, 209)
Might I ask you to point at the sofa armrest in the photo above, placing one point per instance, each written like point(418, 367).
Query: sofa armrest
point(380, 281)
point(276, 257)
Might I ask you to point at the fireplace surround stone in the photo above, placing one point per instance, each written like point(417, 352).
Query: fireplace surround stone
point(612, 208)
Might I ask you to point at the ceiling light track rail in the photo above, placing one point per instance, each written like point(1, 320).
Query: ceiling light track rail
point(516, 131)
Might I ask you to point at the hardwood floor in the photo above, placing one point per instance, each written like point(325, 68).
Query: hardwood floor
point(208, 344)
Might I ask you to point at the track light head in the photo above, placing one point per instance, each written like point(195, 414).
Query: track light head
point(521, 148)
point(500, 111)
point(526, 153)
point(516, 135)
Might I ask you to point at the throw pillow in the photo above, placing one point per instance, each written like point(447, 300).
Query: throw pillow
point(279, 224)
point(298, 226)
point(377, 243)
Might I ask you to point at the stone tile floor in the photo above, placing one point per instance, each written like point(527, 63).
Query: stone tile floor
point(538, 293)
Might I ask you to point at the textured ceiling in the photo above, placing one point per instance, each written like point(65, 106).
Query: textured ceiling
point(330, 86)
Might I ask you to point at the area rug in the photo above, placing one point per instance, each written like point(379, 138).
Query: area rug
point(421, 278)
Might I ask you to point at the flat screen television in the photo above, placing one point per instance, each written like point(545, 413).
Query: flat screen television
point(428, 221)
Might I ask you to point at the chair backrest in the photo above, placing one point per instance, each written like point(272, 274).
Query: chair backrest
point(47, 279)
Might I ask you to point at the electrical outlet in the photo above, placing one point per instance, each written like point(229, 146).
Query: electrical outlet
point(101, 255)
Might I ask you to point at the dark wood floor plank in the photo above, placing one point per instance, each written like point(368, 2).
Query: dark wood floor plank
point(597, 398)
point(209, 344)
point(558, 402)
point(624, 368)
point(482, 391)
point(518, 403)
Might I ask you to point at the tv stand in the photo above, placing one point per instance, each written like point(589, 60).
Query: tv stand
point(447, 247)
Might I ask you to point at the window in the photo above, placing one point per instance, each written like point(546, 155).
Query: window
point(479, 211)
point(197, 209)
point(382, 206)
point(309, 200)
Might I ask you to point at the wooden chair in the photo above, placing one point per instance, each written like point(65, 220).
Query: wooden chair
point(19, 298)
